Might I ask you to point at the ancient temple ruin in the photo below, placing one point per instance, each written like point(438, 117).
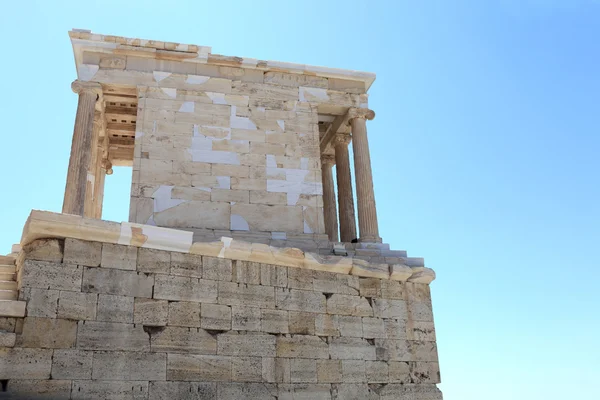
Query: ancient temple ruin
point(241, 273)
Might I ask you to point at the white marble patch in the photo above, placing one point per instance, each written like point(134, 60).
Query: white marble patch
point(217, 98)
point(197, 79)
point(271, 161)
point(238, 223)
point(292, 199)
point(241, 123)
point(224, 182)
point(313, 93)
point(163, 200)
point(304, 163)
point(307, 228)
point(226, 243)
point(171, 92)
point(139, 134)
point(187, 107)
point(86, 72)
point(201, 143)
point(280, 186)
point(215, 157)
point(160, 75)
point(281, 124)
point(279, 235)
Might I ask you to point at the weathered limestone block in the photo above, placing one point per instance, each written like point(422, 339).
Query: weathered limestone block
point(305, 391)
point(192, 367)
point(326, 325)
point(386, 308)
point(377, 371)
point(420, 312)
point(300, 278)
point(392, 289)
point(295, 80)
point(370, 287)
point(373, 328)
point(154, 261)
point(302, 346)
point(72, 364)
point(82, 252)
point(268, 218)
point(400, 272)
point(183, 390)
point(7, 324)
point(273, 275)
point(274, 321)
point(116, 365)
point(231, 293)
point(349, 305)
point(245, 318)
point(329, 371)
point(176, 288)
point(183, 313)
point(302, 323)
point(186, 265)
point(258, 391)
point(175, 339)
point(92, 335)
point(218, 269)
point(150, 312)
point(418, 292)
point(48, 333)
point(350, 326)
point(423, 351)
point(38, 389)
point(303, 370)
point(370, 269)
point(399, 372)
point(40, 302)
point(353, 371)
point(409, 391)
point(77, 306)
point(47, 275)
point(8, 339)
point(44, 250)
point(246, 369)
point(215, 316)
point(300, 300)
point(347, 348)
point(424, 372)
point(246, 344)
point(114, 308)
point(85, 390)
point(246, 272)
point(31, 363)
point(119, 256)
point(395, 328)
point(393, 350)
point(117, 282)
point(420, 330)
point(353, 391)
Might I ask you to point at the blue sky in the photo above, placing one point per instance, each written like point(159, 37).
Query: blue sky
point(485, 151)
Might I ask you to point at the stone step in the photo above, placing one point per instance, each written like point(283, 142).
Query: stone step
point(8, 285)
point(8, 277)
point(8, 295)
point(12, 308)
point(7, 260)
point(8, 269)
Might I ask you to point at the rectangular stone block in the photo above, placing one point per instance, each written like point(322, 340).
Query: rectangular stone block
point(245, 318)
point(114, 308)
point(40, 302)
point(423, 351)
point(113, 390)
point(395, 328)
point(116, 365)
point(119, 256)
point(353, 371)
point(254, 391)
point(44, 250)
point(424, 372)
point(307, 391)
point(183, 313)
point(48, 333)
point(38, 389)
point(183, 390)
point(418, 292)
point(72, 364)
point(300, 300)
point(186, 265)
point(350, 326)
point(273, 275)
point(8, 339)
point(191, 367)
point(175, 339)
point(231, 293)
point(392, 289)
point(246, 344)
point(219, 269)
point(303, 370)
point(329, 371)
point(370, 287)
point(347, 348)
point(215, 316)
point(246, 272)
point(302, 346)
point(274, 321)
point(92, 335)
point(393, 350)
point(82, 252)
point(410, 391)
point(399, 372)
point(387, 308)
point(117, 282)
point(342, 304)
point(48, 275)
point(420, 311)
point(300, 278)
point(77, 306)
point(246, 369)
point(18, 363)
point(150, 312)
point(7, 324)
point(154, 261)
point(377, 371)
point(326, 325)
point(178, 288)
point(373, 328)
point(302, 323)
point(420, 330)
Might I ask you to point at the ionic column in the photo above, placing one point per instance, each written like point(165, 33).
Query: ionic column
point(329, 208)
point(81, 147)
point(365, 196)
point(344, 182)
point(93, 171)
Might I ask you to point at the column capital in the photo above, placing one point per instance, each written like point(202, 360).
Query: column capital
point(342, 138)
point(363, 113)
point(80, 87)
point(327, 159)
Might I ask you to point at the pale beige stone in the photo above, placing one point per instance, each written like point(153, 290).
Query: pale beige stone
point(115, 365)
point(329, 371)
point(246, 344)
point(150, 312)
point(302, 346)
point(72, 364)
point(303, 370)
point(245, 318)
point(274, 321)
point(302, 323)
point(349, 305)
point(175, 339)
point(114, 308)
point(246, 369)
point(31, 363)
point(77, 306)
point(48, 333)
point(183, 313)
point(44, 250)
point(215, 316)
point(120, 257)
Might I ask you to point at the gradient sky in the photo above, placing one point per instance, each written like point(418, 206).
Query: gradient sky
point(485, 151)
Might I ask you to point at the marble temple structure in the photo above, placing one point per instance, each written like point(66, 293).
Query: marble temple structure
point(242, 272)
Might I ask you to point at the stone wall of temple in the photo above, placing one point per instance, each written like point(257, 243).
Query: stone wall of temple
point(110, 321)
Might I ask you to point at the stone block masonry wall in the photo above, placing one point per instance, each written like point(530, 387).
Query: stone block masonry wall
point(108, 321)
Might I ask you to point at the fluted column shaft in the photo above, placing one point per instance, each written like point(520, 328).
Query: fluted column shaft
point(81, 147)
point(93, 170)
point(365, 196)
point(344, 181)
point(329, 208)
